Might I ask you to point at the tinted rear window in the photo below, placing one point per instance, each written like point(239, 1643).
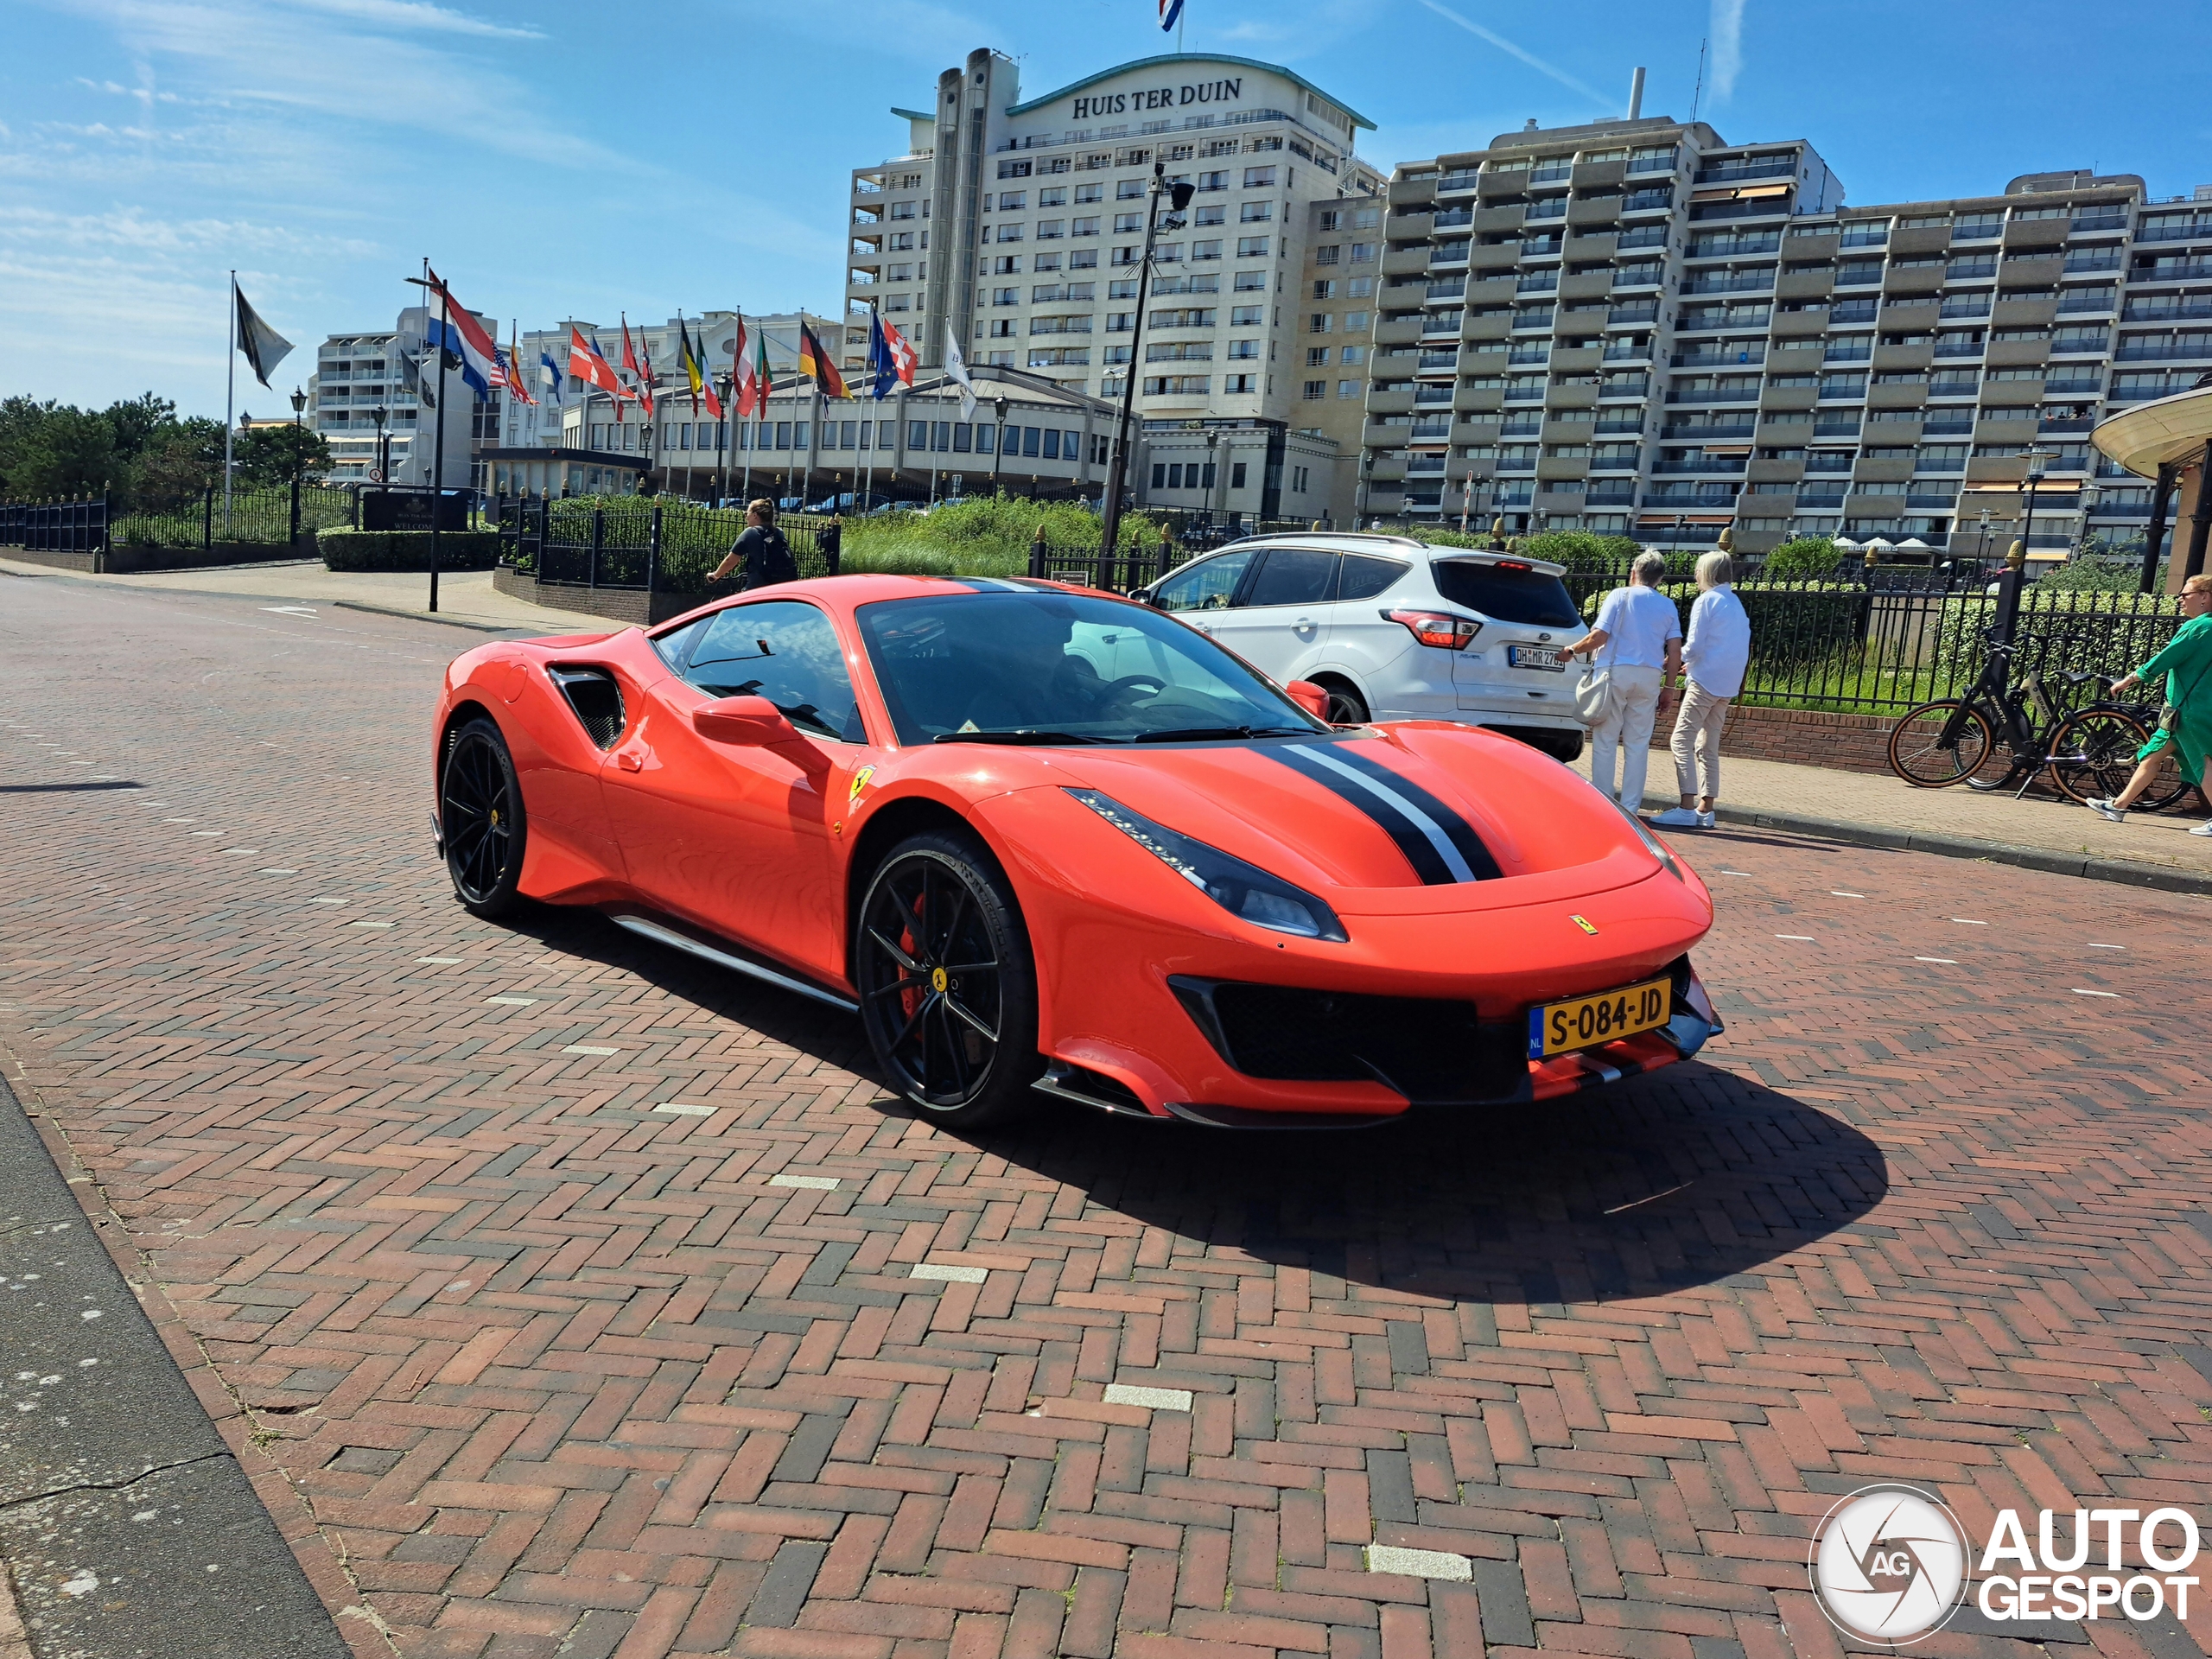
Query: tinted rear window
point(1507, 595)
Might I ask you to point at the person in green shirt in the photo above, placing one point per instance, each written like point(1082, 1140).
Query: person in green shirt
point(2187, 664)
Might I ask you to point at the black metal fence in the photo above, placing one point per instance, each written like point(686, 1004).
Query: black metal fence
point(54, 526)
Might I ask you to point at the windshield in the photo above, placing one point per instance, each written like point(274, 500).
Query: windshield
point(1506, 595)
point(1060, 668)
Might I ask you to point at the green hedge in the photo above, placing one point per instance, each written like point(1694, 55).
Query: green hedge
point(406, 550)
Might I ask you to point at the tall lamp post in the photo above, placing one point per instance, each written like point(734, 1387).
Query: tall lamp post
point(379, 472)
point(2015, 559)
point(724, 384)
point(299, 457)
point(999, 406)
point(1179, 196)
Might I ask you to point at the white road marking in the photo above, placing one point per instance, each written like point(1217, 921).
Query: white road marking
point(1129, 1394)
point(807, 1183)
point(280, 872)
point(206, 832)
point(1968, 921)
point(513, 1001)
point(443, 962)
point(368, 924)
point(1652, 1197)
point(2078, 991)
point(1735, 872)
point(2107, 947)
point(587, 1048)
point(176, 820)
point(1948, 962)
point(326, 901)
point(1419, 1563)
point(941, 1270)
point(684, 1108)
point(1802, 938)
point(1838, 893)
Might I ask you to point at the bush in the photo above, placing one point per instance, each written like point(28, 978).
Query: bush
point(1803, 558)
point(2094, 576)
point(406, 550)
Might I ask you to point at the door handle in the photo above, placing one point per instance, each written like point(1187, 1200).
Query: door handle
point(1302, 624)
point(631, 759)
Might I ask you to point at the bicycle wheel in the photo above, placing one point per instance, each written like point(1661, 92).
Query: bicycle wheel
point(2169, 788)
point(2093, 752)
point(1919, 755)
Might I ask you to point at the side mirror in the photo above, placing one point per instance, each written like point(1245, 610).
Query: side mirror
point(1313, 699)
point(749, 722)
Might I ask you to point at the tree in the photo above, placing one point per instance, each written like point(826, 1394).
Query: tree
point(181, 461)
point(276, 454)
point(50, 451)
point(135, 420)
point(1801, 559)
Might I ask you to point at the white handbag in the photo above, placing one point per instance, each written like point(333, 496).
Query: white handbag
point(1594, 692)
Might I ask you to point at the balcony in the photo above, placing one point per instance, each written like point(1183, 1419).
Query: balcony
point(1748, 395)
point(2100, 260)
point(1542, 247)
point(1969, 305)
point(1452, 219)
point(2162, 354)
point(1529, 354)
point(1732, 246)
point(1733, 172)
point(1524, 394)
point(1628, 425)
point(1732, 465)
point(1746, 283)
point(1455, 289)
point(1447, 360)
point(1425, 396)
point(1421, 464)
point(1966, 348)
point(2153, 230)
point(1971, 270)
point(2177, 270)
point(1537, 281)
point(1706, 434)
point(1522, 425)
point(1942, 503)
point(1428, 428)
point(1452, 182)
point(1443, 325)
point(1533, 320)
point(2063, 424)
point(1644, 236)
point(1745, 357)
point(1848, 354)
point(2088, 387)
point(2076, 300)
point(2112, 221)
point(1846, 277)
point(1946, 425)
point(1610, 498)
point(1851, 311)
point(1641, 201)
point(1847, 428)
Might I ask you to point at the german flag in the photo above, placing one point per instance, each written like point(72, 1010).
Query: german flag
point(818, 364)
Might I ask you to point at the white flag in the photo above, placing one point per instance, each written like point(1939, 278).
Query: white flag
point(956, 370)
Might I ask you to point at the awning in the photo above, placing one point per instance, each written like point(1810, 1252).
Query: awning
point(1743, 193)
point(2173, 429)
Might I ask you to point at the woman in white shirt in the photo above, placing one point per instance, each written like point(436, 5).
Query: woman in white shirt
point(1714, 660)
point(1641, 638)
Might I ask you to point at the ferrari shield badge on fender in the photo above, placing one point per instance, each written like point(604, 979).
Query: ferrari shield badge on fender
point(1583, 923)
point(859, 783)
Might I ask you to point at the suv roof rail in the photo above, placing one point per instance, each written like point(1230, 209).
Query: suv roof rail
point(1332, 536)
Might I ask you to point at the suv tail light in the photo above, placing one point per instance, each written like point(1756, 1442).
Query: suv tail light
point(1438, 628)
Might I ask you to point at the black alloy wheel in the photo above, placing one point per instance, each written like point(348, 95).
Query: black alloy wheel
point(948, 992)
point(480, 814)
point(1347, 706)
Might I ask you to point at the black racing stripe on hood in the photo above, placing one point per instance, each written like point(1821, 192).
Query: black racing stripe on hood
point(1420, 852)
point(1462, 833)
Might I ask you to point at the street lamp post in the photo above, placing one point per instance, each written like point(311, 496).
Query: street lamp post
point(999, 406)
point(299, 458)
point(724, 384)
point(379, 415)
point(2016, 560)
point(1178, 197)
point(1213, 472)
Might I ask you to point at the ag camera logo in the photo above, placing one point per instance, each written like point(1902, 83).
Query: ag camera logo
point(1889, 1564)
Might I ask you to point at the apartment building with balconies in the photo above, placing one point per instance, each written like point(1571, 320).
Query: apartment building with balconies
point(1020, 224)
point(1644, 330)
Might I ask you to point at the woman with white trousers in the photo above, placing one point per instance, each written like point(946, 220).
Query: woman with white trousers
point(1641, 637)
point(1714, 660)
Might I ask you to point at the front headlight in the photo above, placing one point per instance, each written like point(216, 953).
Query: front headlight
point(1244, 890)
point(1657, 846)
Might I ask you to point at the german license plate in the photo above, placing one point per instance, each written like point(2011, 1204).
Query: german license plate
point(1535, 656)
point(1587, 1021)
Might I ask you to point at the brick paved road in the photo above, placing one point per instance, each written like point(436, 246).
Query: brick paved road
point(540, 1369)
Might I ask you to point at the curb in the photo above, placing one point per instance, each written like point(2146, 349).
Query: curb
point(424, 616)
point(2122, 871)
point(113, 1477)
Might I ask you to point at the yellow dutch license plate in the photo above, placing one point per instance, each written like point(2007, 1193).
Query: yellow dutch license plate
point(1587, 1021)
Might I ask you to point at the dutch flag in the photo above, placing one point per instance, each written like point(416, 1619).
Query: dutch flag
point(1169, 11)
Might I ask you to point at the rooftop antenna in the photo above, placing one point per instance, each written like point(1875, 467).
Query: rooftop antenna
point(1697, 97)
point(1635, 94)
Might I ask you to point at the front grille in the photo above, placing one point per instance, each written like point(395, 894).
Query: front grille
point(595, 701)
point(1427, 1050)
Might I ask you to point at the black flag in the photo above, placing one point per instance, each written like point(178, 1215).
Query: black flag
point(264, 347)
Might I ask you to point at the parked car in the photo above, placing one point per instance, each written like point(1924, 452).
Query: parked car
point(1395, 629)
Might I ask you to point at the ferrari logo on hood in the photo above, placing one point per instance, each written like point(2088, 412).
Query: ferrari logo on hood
point(1583, 923)
point(859, 783)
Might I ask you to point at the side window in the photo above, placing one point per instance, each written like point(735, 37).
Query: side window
point(678, 644)
point(1365, 575)
point(1208, 585)
point(786, 652)
point(1294, 575)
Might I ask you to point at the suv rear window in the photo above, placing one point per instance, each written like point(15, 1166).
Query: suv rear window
point(1507, 595)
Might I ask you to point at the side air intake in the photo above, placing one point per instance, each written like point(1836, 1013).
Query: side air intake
point(595, 701)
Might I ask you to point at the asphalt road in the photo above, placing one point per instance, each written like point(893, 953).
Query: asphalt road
point(523, 1366)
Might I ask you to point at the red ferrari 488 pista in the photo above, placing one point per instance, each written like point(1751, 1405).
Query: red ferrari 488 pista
point(1046, 840)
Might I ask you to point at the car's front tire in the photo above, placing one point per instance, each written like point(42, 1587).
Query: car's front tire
point(481, 821)
point(947, 985)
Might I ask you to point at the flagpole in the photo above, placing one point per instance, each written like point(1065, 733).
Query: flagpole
point(438, 456)
point(230, 399)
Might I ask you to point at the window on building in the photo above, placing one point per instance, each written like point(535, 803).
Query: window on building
point(1256, 177)
point(1251, 247)
point(1255, 212)
point(1315, 390)
point(1129, 189)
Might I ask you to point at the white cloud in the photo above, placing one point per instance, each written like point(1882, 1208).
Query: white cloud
point(1527, 57)
point(413, 15)
point(1727, 46)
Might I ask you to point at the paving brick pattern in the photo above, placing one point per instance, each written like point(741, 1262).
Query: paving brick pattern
point(527, 1367)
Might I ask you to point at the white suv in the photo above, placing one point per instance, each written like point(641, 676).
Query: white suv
point(1395, 629)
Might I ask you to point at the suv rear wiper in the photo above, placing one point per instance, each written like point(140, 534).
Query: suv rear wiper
point(1014, 737)
point(1200, 734)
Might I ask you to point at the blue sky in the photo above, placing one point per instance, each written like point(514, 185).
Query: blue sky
point(557, 159)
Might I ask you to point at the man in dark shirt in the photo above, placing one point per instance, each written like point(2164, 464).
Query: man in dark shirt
point(761, 549)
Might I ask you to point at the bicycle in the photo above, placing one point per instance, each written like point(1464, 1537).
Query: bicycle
point(2089, 751)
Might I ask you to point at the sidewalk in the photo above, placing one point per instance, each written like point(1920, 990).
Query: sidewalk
point(1886, 809)
point(465, 597)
